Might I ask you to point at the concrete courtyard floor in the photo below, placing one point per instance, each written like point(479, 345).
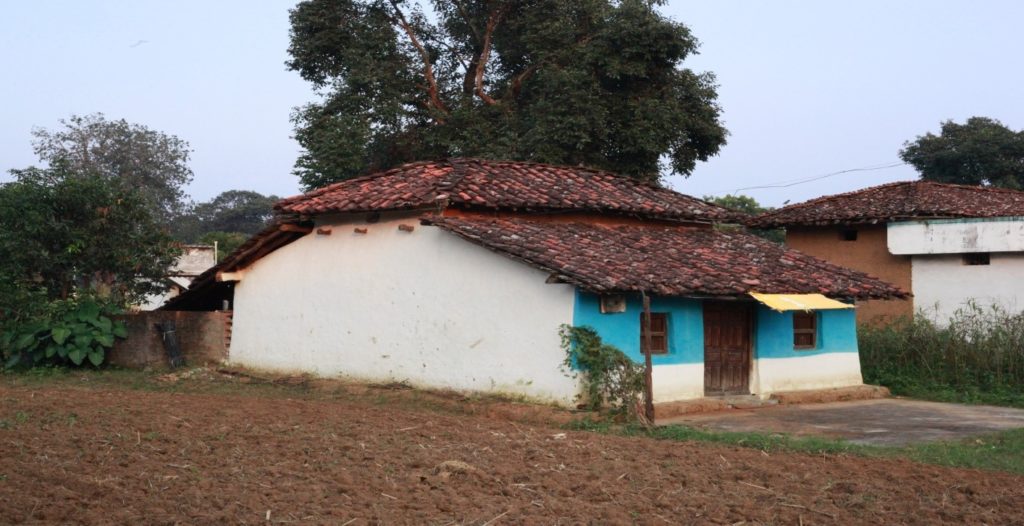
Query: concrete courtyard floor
point(883, 422)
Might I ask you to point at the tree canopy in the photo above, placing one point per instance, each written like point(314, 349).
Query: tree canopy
point(234, 211)
point(65, 233)
point(129, 155)
point(226, 242)
point(740, 203)
point(748, 205)
point(591, 82)
point(981, 151)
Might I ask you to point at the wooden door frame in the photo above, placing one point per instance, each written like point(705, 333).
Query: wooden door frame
point(751, 308)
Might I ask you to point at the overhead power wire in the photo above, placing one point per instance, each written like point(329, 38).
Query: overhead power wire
point(794, 182)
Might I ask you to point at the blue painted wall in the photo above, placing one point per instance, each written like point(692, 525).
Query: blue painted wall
point(622, 329)
point(773, 331)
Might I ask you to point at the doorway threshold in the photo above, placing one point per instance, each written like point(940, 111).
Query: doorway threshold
point(709, 404)
point(749, 401)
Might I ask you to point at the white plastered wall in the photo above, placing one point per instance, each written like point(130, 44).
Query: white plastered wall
point(818, 371)
point(956, 236)
point(424, 306)
point(943, 283)
point(674, 382)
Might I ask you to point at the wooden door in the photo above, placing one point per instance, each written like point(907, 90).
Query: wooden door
point(727, 329)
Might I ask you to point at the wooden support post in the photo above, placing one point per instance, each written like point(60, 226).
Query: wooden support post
point(647, 344)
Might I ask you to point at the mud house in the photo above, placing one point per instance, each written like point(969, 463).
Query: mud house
point(459, 273)
point(947, 244)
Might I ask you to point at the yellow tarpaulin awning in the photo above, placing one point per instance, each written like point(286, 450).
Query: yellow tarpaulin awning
point(804, 302)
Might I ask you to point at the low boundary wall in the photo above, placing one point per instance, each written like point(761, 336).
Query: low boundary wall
point(204, 338)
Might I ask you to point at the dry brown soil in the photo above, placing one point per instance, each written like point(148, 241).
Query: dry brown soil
point(108, 454)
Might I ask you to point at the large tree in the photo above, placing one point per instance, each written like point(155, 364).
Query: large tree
point(981, 151)
point(65, 234)
point(241, 211)
point(128, 155)
point(593, 82)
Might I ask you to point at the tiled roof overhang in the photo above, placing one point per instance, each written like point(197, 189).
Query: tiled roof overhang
point(665, 260)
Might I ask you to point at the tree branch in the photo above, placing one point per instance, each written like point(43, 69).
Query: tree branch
point(517, 82)
point(516, 85)
point(469, 21)
point(428, 68)
point(481, 65)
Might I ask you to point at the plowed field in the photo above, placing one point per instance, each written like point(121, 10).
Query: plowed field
point(106, 454)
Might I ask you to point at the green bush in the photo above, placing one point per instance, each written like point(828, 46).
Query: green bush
point(72, 331)
point(610, 379)
point(977, 357)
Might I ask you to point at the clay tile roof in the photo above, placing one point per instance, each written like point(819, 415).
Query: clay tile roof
point(896, 201)
point(504, 185)
point(664, 260)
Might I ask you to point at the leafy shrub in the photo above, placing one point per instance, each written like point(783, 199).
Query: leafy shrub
point(73, 331)
point(610, 379)
point(978, 356)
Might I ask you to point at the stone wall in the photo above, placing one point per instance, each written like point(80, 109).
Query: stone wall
point(204, 338)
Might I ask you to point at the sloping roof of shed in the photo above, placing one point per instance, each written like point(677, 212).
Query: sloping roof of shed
point(503, 185)
point(895, 201)
point(206, 293)
point(664, 260)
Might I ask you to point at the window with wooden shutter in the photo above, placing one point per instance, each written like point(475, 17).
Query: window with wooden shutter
point(805, 330)
point(659, 333)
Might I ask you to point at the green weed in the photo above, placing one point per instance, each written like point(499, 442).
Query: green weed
point(977, 358)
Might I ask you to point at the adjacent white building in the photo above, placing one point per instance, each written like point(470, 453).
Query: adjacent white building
point(956, 261)
point(950, 245)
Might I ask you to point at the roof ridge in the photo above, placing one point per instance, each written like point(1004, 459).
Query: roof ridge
point(816, 200)
point(545, 187)
point(914, 185)
point(592, 171)
point(454, 177)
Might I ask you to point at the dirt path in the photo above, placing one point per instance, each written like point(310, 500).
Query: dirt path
point(96, 456)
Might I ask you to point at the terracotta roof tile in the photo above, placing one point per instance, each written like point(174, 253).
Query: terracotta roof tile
point(664, 260)
point(895, 201)
point(505, 185)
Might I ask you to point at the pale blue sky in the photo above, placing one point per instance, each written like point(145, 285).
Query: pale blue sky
point(808, 87)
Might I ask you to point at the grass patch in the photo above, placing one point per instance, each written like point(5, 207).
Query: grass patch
point(1003, 451)
point(910, 385)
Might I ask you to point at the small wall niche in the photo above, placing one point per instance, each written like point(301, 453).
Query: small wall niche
point(612, 303)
